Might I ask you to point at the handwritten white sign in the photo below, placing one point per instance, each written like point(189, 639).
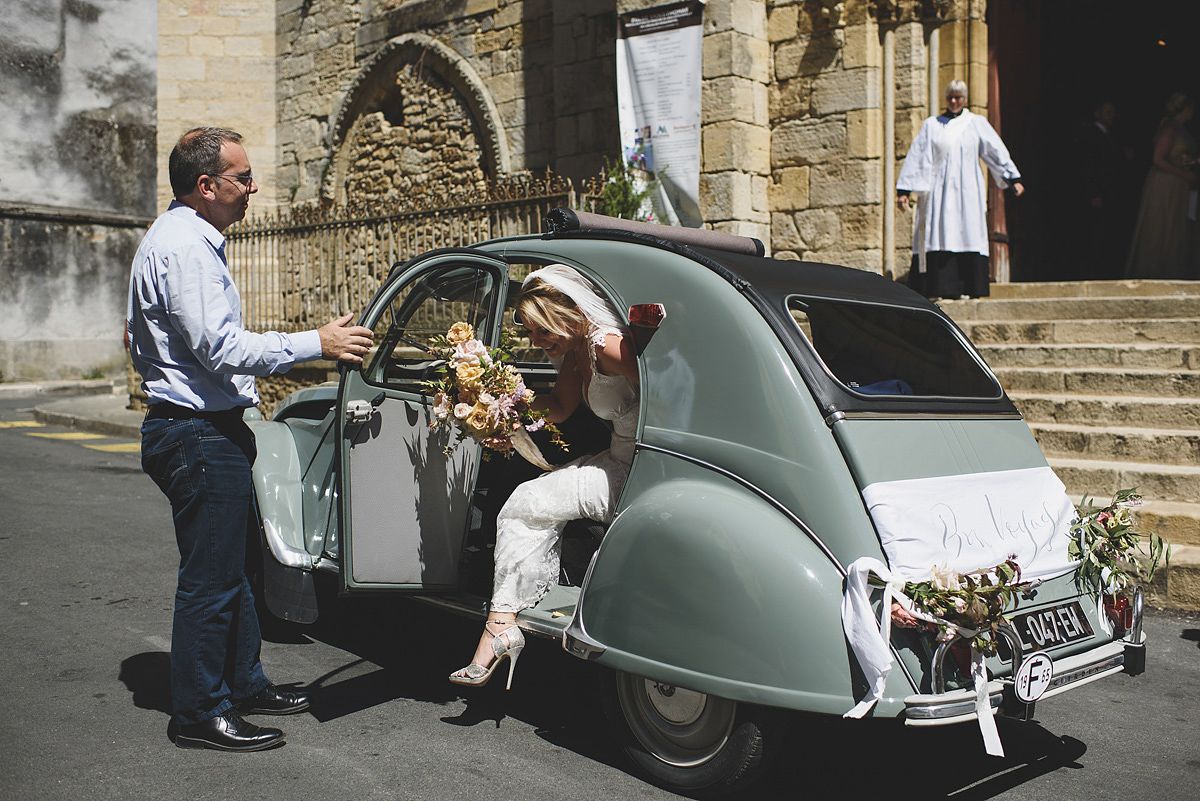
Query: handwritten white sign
point(974, 521)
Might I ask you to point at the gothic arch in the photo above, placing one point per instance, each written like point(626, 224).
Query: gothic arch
point(374, 82)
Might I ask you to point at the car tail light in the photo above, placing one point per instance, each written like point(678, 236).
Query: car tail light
point(1119, 611)
point(647, 315)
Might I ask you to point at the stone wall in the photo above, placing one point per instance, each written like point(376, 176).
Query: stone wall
point(535, 77)
point(216, 66)
point(423, 138)
point(77, 142)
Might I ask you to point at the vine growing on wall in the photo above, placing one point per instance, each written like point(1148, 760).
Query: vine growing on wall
point(625, 191)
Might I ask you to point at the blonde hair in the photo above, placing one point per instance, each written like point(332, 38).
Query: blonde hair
point(1175, 104)
point(542, 306)
point(955, 87)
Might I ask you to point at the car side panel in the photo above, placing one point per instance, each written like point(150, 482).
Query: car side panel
point(704, 584)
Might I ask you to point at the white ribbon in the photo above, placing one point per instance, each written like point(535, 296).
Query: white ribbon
point(871, 643)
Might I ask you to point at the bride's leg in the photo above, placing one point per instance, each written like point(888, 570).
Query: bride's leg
point(528, 531)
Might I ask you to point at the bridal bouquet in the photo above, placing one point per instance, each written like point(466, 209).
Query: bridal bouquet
point(484, 398)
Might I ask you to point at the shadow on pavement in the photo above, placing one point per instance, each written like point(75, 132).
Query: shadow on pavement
point(147, 676)
point(404, 649)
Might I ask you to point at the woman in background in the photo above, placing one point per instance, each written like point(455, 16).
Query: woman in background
point(1162, 236)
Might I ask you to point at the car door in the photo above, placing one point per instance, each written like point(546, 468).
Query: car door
point(405, 501)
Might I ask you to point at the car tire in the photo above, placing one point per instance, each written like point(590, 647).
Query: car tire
point(687, 741)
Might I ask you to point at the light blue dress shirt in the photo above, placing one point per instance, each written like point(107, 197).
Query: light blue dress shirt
point(185, 320)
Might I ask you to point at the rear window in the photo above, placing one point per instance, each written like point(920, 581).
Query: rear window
point(873, 349)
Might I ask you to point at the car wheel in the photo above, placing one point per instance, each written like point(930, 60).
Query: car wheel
point(689, 741)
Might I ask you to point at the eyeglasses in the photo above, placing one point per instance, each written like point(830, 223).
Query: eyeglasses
point(244, 180)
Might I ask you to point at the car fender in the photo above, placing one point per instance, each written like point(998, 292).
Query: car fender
point(706, 585)
point(277, 490)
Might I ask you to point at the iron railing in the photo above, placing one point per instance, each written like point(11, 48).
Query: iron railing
point(298, 269)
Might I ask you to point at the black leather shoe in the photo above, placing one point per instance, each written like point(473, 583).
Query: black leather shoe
point(225, 732)
point(271, 700)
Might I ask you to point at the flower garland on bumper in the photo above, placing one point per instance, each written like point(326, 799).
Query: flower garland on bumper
point(974, 605)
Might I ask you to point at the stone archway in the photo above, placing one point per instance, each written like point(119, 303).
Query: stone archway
point(416, 117)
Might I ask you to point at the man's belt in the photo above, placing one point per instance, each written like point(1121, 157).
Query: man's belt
point(171, 411)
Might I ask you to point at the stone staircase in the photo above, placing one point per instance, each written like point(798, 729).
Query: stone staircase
point(1107, 374)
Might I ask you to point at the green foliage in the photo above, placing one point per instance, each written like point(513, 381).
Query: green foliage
point(975, 601)
point(1105, 541)
point(94, 374)
point(621, 196)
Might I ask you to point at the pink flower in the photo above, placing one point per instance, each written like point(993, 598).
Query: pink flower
point(472, 352)
point(441, 406)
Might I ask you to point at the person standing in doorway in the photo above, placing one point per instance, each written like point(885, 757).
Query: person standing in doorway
point(950, 239)
point(1166, 217)
point(197, 362)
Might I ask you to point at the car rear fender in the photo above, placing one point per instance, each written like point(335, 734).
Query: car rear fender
point(705, 585)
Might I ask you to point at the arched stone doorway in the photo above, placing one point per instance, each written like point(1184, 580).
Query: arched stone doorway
point(1053, 61)
point(417, 118)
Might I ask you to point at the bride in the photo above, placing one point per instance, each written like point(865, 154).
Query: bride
point(566, 317)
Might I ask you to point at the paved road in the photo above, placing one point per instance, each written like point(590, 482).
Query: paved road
point(86, 562)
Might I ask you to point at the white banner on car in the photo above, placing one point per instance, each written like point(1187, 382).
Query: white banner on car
point(974, 521)
point(658, 103)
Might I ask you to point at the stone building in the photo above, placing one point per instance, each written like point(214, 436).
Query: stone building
point(808, 105)
point(77, 143)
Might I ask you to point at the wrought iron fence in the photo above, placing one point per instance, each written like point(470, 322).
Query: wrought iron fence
point(301, 268)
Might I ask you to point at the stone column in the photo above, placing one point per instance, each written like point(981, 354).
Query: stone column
point(827, 138)
point(216, 66)
point(735, 132)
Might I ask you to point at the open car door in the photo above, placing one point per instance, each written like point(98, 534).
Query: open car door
point(404, 503)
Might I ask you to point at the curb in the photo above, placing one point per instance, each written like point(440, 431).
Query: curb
point(39, 389)
point(93, 425)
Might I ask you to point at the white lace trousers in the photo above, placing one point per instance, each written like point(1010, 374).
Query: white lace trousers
point(529, 527)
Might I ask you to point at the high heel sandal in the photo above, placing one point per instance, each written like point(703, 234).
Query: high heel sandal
point(509, 648)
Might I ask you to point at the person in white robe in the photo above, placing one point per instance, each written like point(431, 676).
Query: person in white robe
point(942, 173)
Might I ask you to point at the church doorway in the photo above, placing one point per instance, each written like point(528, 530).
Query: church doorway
point(1053, 62)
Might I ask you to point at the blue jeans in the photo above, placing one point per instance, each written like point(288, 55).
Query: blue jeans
point(203, 467)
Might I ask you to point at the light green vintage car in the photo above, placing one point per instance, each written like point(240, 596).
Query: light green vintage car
point(795, 420)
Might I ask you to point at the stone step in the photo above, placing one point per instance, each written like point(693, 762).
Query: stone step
point(1120, 444)
point(1177, 522)
point(1100, 479)
point(1101, 381)
point(1160, 357)
point(1093, 289)
point(1155, 307)
point(1109, 410)
point(1175, 331)
point(1177, 586)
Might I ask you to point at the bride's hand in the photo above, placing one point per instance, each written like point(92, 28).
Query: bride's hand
point(903, 618)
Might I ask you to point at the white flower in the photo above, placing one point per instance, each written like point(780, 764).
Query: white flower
point(461, 410)
point(943, 578)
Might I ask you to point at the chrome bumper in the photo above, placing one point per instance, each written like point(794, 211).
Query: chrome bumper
point(957, 706)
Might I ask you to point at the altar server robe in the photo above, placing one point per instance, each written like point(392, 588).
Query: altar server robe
point(942, 171)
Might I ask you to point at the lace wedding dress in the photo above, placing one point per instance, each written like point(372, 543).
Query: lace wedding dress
point(529, 527)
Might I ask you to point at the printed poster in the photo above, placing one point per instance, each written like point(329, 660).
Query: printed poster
point(658, 102)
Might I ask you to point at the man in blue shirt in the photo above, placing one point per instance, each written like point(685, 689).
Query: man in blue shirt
point(198, 363)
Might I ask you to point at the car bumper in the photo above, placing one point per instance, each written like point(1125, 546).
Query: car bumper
point(958, 706)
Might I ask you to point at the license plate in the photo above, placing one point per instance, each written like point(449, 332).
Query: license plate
point(1051, 627)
